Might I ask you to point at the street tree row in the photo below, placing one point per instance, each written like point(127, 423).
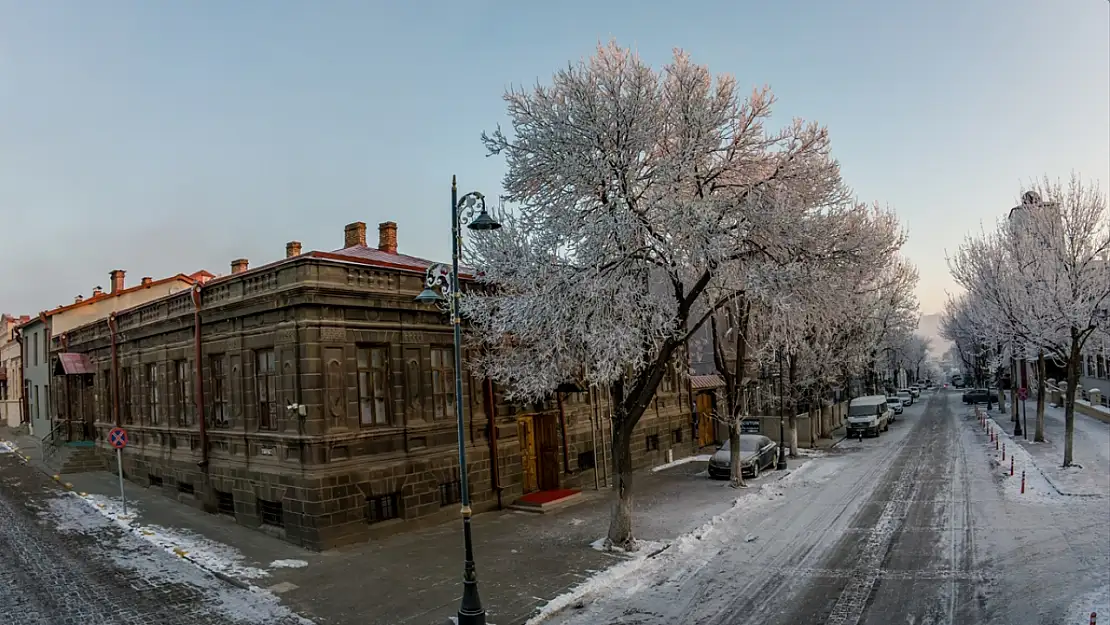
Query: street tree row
point(1037, 286)
point(648, 205)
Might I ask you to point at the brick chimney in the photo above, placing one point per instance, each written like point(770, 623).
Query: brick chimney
point(239, 265)
point(292, 248)
point(116, 276)
point(354, 234)
point(146, 281)
point(78, 299)
point(387, 237)
point(97, 291)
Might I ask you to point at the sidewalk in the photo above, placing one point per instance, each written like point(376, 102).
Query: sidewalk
point(1091, 451)
point(523, 560)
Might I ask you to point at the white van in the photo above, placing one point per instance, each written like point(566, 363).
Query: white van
point(868, 415)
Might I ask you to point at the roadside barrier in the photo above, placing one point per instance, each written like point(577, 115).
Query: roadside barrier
point(1093, 615)
point(994, 436)
point(1023, 481)
point(1011, 465)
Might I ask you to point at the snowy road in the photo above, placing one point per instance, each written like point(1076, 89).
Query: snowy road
point(62, 563)
point(916, 527)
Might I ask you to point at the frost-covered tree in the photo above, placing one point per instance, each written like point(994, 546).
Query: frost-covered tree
point(646, 202)
point(1041, 281)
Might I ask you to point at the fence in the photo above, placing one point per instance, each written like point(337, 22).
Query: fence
point(819, 422)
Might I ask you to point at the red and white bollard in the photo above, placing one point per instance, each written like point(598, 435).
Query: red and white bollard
point(996, 443)
point(1004, 452)
point(1093, 615)
point(1023, 482)
point(1011, 465)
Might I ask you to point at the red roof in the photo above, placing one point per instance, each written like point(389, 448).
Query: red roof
point(74, 364)
point(374, 256)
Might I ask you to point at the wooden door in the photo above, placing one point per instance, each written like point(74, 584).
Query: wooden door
point(707, 434)
point(526, 434)
point(547, 439)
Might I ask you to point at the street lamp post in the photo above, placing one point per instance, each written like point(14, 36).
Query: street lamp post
point(439, 279)
point(781, 466)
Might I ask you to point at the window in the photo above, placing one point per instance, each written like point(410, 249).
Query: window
point(125, 394)
point(106, 396)
point(219, 392)
point(152, 392)
point(186, 488)
point(443, 382)
point(270, 512)
point(373, 385)
point(35, 350)
point(266, 383)
point(181, 391)
point(653, 442)
point(450, 493)
point(155, 480)
point(383, 508)
point(586, 460)
point(676, 435)
point(667, 383)
point(225, 503)
point(37, 387)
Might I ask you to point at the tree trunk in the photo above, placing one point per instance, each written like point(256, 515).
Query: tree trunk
point(620, 524)
point(1041, 391)
point(1013, 390)
point(1069, 399)
point(792, 417)
point(736, 470)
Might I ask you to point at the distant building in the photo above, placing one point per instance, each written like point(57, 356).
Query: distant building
point(46, 377)
point(11, 372)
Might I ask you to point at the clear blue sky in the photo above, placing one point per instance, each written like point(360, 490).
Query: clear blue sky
point(160, 137)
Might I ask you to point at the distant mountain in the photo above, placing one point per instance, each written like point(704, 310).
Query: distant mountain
point(929, 327)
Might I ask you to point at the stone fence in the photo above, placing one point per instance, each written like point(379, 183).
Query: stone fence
point(812, 425)
point(1089, 403)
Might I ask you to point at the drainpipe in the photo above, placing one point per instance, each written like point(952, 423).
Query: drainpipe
point(24, 414)
point(563, 426)
point(112, 332)
point(491, 415)
point(198, 386)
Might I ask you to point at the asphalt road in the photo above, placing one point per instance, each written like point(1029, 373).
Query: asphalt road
point(65, 565)
point(917, 527)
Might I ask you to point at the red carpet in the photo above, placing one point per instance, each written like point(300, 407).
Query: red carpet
point(546, 496)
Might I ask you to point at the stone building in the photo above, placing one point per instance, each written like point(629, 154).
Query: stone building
point(327, 399)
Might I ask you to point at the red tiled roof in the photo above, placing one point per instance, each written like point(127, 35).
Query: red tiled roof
point(199, 276)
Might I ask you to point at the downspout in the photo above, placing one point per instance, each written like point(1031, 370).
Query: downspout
point(24, 417)
point(563, 426)
point(113, 333)
point(198, 386)
point(491, 415)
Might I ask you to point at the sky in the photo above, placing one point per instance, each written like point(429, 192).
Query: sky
point(167, 137)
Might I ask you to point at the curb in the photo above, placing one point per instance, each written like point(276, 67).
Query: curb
point(178, 551)
point(1051, 482)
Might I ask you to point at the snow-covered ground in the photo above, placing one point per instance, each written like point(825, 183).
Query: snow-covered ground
point(1091, 454)
point(143, 551)
point(921, 525)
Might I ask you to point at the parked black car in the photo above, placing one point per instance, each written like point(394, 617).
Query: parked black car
point(976, 396)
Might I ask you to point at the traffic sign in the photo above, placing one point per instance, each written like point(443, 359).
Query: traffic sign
point(117, 438)
point(1023, 393)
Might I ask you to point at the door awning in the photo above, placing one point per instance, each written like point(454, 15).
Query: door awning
point(706, 382)
point(73, 364)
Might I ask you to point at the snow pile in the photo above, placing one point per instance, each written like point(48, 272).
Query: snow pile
point(628, 575)
point(1037, 486)
point(6, 447)
point(207, 553)
point(680, 461)
point(288, 564)
point(131, 551)
point(812, 453)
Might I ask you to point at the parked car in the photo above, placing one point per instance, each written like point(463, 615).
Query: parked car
point(756, 454)
point(895, 406)
point(868, 415)
point(977, 396)
point(906, 396)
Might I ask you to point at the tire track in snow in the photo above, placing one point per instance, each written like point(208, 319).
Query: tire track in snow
point(852, 602)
